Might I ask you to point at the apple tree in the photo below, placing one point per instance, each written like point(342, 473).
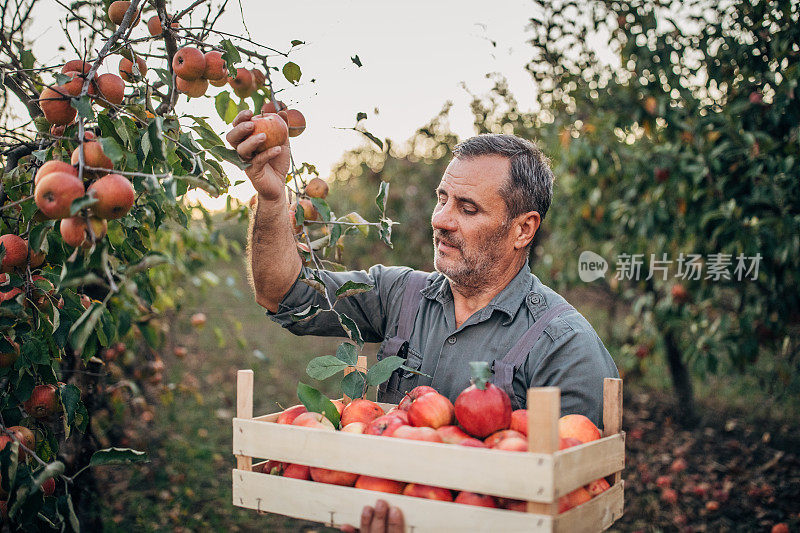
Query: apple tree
point(100, 152)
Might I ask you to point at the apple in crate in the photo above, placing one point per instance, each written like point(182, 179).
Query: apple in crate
point(313, 420)
point(415, 393)
point(519, 421)
point(296, 471)
point(598, 486)
point(482, 408)
point(492, 440)
point(427, 491)
point(573, 499)
point(385, 425)
point(355, 427)
point(452, 434)
point(578, 427)
point(512, 444)
point(288, 415)
point(473, 443)
point(333, 477)
point(380, 484)
point(361, 410)
point(413, 433)
point(473, 498)
point(431, 410)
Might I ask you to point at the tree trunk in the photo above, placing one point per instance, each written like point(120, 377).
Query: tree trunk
point(681, 382)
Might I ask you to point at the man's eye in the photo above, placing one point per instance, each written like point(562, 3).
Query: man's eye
point(468, 211)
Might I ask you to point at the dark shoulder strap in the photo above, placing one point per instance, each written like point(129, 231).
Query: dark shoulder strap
point(505, 368)
point(412, 296)
point(516, 356)
point(409, 306)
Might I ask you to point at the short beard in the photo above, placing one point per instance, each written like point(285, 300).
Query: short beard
point(477, 269)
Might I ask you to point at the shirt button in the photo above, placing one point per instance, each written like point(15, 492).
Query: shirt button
point(534, 299)
point(451, 340)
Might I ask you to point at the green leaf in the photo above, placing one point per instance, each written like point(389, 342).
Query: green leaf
point(385, 232)
point(297, 42)
point(84, 107)
point(323, 208)
point(230, 55)
point(382, 370)
point(226, 107)
point(228, 154)
point(353, 384)
point(348, 353)
point(311, 312)
point(361, 116)
point(83, 327)
point(154, 131)
point(80, 203)
point(205, 130)
point(351, 329)
point(38, 233)
point(112, 149)
point(355, 218)
point(481, 372)
point(324, 367)
point(351, 288)
point(117, 456)
point(77, 415)
point(316, 402)
point(51, 470)
point(357, 60)
point(383, 193)
point(291, 71)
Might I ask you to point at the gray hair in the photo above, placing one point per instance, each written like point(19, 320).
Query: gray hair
point(530, 183)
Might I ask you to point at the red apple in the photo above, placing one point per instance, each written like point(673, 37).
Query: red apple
point(512, 444)
point(333, 477)
point(313, 420)
point(417, 433)
point(573, 499)
point(271, 467)
point(482, 409)
point(513, 505)
point(296, 471)
point(473, 443)
point(380, 484)
point(494, 438)
point(519, 421)
point(361, 410)
point(431, 410)
point(579, 427)
point(564, 443)
point(597, 486)
point(288, 415)
point(452, 434)
point(415, 393)
point(427, 491)
point(384, 425)
point(355, 427)
point(473, 498)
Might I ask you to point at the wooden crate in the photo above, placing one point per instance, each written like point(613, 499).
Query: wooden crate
point(539, 477)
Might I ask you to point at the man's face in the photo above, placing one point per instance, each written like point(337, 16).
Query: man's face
point(471, 237)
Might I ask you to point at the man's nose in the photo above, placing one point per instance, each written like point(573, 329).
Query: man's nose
point(442, 218)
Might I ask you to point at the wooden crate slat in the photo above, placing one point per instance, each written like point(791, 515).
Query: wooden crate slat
point(597, 514)
point(530, 476)
point(244, 409)
point(579, 465)
point(336, 506)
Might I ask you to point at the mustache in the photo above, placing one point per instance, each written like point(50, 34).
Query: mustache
point(447, 238)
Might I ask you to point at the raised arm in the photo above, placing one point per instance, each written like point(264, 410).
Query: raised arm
point(273, 257)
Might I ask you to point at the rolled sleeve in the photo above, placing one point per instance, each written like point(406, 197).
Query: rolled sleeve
point(366, 309)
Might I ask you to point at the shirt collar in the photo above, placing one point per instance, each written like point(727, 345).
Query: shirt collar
point(507, 301)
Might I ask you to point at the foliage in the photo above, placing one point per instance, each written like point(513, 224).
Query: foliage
point(687, 146)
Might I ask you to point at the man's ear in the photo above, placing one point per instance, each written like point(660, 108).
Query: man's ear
point(527, 225)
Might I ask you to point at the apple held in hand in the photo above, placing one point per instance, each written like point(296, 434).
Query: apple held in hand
point(482, 408)
point(274, 129)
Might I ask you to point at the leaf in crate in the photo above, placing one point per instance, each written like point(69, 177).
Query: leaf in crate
point(316, 402)
point(353, 384)
point(348, 353)
point(324, 367)
point(382, 370)
point(351, 287)
point(117, 456)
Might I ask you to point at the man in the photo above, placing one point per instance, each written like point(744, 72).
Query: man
point(482, 303)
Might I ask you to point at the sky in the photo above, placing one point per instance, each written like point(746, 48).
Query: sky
point(416, 56)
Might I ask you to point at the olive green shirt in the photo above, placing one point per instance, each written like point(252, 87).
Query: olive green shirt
point(569, 354)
